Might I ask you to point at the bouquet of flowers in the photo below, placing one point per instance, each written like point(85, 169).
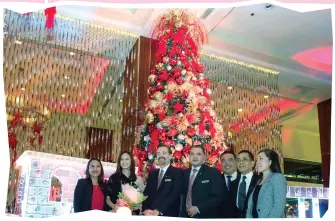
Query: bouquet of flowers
point(130, 197)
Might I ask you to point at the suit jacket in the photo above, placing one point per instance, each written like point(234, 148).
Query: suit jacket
point(271, 199)
point(83, 196)
point(228, 208)
point(166, 199)
point(207, 192)
point(253, 183)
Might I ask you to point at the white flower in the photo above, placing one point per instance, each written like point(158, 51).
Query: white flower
point(179, 147)
point(147, 138)
point(168, 68)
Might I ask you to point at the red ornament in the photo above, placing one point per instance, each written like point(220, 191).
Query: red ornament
point(207, 147)
point(14, 122)
point(159, 88)
point(179, 81)
point(40, 140)
point(50, 17)
point(142, 155)
point(172, 132)
point(186, 150)
point(152, 90)
point(173, 62)
point(164, 76)
point(162, 136)
point(178, 107)
point(18, 118)
point(161, 116)
point(190, 131)
point(177, 155)
point(12, 141)
point(36, 128)
point(169, 96)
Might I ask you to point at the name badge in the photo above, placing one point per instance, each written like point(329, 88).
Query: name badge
point(205, 181)
point(167, 180)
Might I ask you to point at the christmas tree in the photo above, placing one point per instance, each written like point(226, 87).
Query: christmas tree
point(179, 110)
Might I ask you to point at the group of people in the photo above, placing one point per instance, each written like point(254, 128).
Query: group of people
point(246, 189)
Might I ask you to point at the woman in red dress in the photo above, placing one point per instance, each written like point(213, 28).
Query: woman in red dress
point(90, 193)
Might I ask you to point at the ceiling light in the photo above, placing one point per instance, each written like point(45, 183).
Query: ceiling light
point(22, 88)
point(63, 95)
point(266, 96)
point(66, 77)
point(240, 110)
point(18, 42)
point(121, 100)
point(72, 53)
point(230, 87)
point(267, 7)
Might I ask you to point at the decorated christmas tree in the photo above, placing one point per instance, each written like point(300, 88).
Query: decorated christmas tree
point(179, 110)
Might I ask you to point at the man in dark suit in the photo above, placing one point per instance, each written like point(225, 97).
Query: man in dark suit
point(231, 179)
point(245, 165)
point(163, 187)
point(203, 188)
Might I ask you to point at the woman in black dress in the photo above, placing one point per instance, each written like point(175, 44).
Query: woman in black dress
point(125, 174)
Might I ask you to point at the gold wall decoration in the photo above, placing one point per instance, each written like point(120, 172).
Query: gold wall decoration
point(246, 102)
point(69, 77)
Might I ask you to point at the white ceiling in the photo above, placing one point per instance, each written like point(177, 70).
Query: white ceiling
point(269, 38)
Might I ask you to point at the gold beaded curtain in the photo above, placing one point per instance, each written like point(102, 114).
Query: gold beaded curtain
point(59, 82)
point(246, 103)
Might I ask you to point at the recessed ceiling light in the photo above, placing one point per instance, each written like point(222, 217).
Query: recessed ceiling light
point(230, 87)
point(266, 96)
point(267, 7)
point(22, 88)
point(63, 95)
point(18, 42)
point(240, 110)
point(72, 53)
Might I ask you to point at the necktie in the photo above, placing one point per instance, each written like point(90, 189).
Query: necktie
point(228, 182)
point(160, 177)
point(189, 191)
point(242, 193)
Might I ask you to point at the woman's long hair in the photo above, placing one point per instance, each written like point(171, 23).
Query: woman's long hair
point(132, 176)
point(101, 175)
point(273, 156)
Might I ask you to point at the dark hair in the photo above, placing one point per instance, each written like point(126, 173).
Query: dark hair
point(228, 152)
point(132, 176)
point(101, 175)
point(251, 156)
point(169, 149)
point(273, 156)
point(200, 147)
